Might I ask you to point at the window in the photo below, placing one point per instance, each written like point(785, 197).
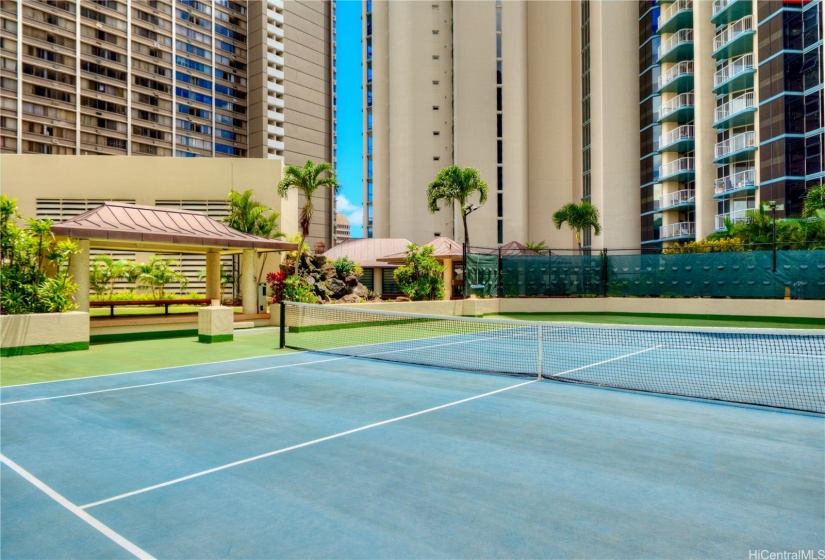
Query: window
point(435, 107)
point(436, 132)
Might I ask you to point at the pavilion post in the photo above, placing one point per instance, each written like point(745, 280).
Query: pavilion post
point(248, 286)
point(213, 275)
point(79, 271)
point(448, 278)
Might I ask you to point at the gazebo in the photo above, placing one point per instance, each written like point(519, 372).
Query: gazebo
point(120, 226)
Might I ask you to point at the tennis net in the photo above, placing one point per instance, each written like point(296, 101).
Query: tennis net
point(776, 368)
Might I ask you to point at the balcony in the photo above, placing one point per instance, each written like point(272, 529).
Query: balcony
point(735, 75)
point(680, 139)
point(739, 111)
point(726, 11)
point(681, 230)
point(680, 170)
point(736, 148)
point(679, 109)
point(734, 40)
point(741, 181)
point(676, 16)
point(678, 78)
point(675, 200)
point(737, 217)
point(678, 46)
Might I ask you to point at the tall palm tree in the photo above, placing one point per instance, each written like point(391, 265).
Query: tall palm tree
point(454, 184)
point(250, 216)
point(579, 217)
point(306, 180)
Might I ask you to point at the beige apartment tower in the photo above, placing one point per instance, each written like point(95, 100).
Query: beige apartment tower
point(170, 78)
point(498, 85)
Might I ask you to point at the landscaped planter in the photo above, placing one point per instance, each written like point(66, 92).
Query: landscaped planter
point(43, 332)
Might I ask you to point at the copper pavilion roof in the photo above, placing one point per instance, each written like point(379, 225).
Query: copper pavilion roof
point(366, 252)
point(444, 248)
point(116, 224)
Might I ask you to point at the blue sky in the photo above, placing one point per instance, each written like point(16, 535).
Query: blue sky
point(349, 127)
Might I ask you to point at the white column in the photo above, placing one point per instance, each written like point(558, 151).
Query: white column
point(213, 275)
point(248, 277)
point(79, 271)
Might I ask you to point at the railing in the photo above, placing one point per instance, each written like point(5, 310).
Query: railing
point(732, 31)
point(683, 68)
point(682, 229)
point(736, 217)
point(732, 68)
point(684, 132)
point(734, 144)
point(668, 13)
point(682, 100)
point(682, 36)
point(734, 106)
point(681, 164)
point(674, 199)
point(736, 181)
point(719, 5)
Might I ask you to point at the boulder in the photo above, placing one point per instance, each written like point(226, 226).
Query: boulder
point(402, 298)
point(309, 280)
point(350, 298)
point(337, 289)
point(361, 291)
point(351, 280)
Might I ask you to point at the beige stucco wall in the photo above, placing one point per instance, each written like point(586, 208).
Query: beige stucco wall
point(44, 329)
point(146, 180)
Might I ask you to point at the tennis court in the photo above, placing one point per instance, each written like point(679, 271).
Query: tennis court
point(327, 455)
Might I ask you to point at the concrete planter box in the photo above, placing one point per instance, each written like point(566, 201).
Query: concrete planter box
point(43, 332)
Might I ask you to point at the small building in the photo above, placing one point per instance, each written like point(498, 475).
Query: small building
point(378, 275)
point(450, 254)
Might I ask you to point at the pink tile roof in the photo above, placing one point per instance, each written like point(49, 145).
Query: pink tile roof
point(444, 248)
point(366, 252)
point(513, 248)
point(120, 222)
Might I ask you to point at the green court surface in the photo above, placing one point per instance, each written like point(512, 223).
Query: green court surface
point(102, 359)
point(669, 320)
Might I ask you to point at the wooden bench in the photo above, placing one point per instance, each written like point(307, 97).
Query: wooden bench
point(165, 302)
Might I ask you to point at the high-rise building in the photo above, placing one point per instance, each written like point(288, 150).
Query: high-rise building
point(342, 228)
point(719, 102)
point(173, 78)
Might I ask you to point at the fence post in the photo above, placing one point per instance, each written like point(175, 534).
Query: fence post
point(605, 273)
point(283, 326)
point(500, 279)
point(466, 270)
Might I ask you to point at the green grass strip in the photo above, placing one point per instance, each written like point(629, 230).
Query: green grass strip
point(42, 349)
point(147, 335)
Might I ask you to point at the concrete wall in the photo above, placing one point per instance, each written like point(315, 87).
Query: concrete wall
point(44, 332)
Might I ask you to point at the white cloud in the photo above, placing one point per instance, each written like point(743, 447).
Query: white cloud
point(353, 212)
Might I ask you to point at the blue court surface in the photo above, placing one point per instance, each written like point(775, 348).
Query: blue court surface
point(310, 455)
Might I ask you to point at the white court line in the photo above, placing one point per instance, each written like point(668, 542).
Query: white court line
point(169, 382)
point(115, 537)
point(605, 361)
point(301, 445)
point(113, 389)
point(153, 369)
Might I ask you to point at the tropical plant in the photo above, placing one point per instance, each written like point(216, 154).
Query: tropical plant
point(344, 266)
point(306, 180)
point(159, 272)
point(732, 244)
point(814, 200)
point(537, 246)
point(421, 277)
point(579, 217)
point(34, 267)
point(105, 273)
point(250, 216)
point(455, 185)
point(296, 289)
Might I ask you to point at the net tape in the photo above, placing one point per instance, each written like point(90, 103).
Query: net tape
point(783, 369)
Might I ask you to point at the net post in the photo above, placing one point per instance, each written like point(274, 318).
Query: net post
point(540, 353)
point(283, 325)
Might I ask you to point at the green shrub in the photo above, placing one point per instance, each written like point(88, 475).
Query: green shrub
point(344, 267)
point(421, 277)
point(295, 289)
point(34, 267)
point(732, 244)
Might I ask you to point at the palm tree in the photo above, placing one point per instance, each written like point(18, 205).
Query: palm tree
point(579, 217)
point(250, 216)
point(108, 271)
point(306, 180)
point(454, 184)
point(537, 246)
